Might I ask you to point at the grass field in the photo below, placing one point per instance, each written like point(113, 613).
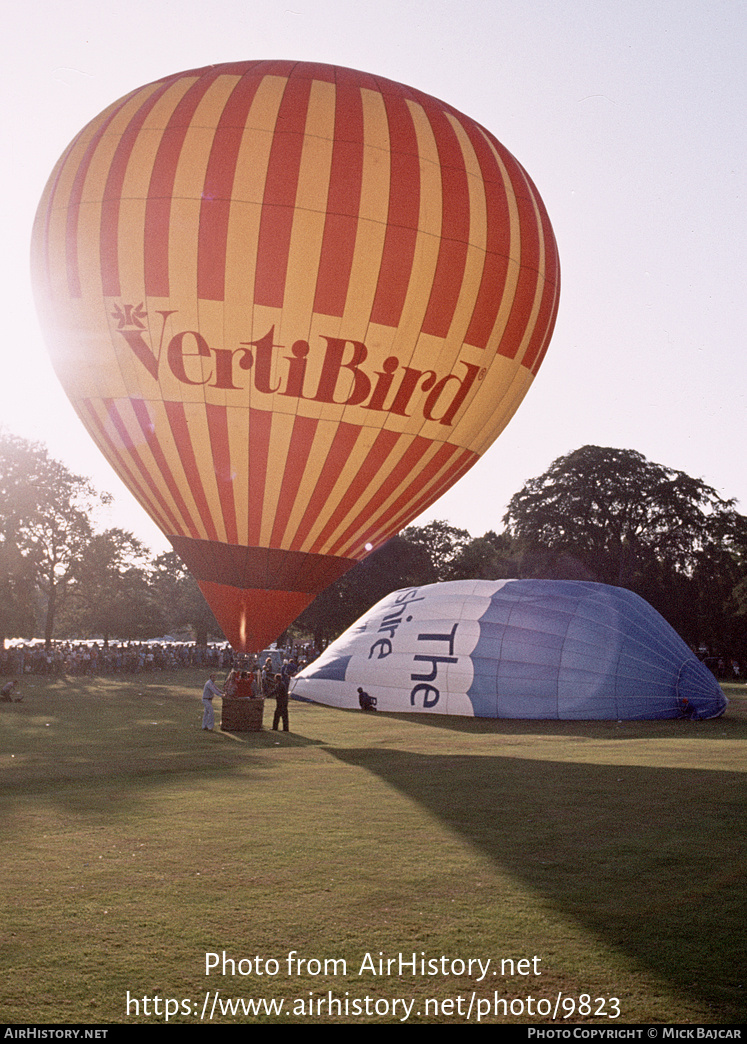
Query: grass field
point(135, 843)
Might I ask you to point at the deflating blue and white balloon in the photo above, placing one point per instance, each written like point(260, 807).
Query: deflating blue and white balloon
point(515, 649)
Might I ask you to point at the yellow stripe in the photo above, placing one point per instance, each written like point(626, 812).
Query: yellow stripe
point(475, 263)
point(372, 531)
point(309, 218)
point(280, 435)
point(141, 447)
point(540, 280)
point(171, 452)
point(200, 439)
point(323, 436)
point(514, 251)
point(246, 212)
point(80, 355)
point(373, 214)
point(340, 493)
point(238, 441)
point(428, 239)
point(512, 382)
point(145, 499)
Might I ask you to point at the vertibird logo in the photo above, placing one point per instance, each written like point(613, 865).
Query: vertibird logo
point(343, 378)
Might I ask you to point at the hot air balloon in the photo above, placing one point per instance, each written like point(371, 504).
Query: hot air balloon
point(515, 649)
point(293, 304)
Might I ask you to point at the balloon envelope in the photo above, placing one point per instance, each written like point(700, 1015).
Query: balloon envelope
point(515, 649)
point(293, 304)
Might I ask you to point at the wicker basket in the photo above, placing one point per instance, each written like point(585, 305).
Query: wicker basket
point(242, 715)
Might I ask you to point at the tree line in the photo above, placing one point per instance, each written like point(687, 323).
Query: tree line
point(601, 514)
point(597, 514)
point(61, 578)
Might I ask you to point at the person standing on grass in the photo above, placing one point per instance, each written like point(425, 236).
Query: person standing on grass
point(210, 690)
point(280, 692)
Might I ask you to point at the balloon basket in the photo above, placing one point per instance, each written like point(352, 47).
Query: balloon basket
point(243, 715)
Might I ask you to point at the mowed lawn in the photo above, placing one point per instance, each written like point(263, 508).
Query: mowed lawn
point(134, 843)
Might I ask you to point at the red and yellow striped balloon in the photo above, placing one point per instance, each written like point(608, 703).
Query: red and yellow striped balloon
point(293, 304)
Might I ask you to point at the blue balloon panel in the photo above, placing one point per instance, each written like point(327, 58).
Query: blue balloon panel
point(515, 649)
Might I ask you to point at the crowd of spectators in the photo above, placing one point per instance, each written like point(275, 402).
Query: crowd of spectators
point(96, 658)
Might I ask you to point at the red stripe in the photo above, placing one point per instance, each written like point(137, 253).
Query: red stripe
point(140, 410)
point(407, 465)
point(276, 222)
point(217, 419)
point(374, 461)
point(109, 231)
point(466, 460)
point(553, 292)
point(315, 71)
point(452, 252)
point(161, 188)
point(180, 431)
point(344, 440)
point(405, 502)
point(216, 196)
point(343, 203)
point(498, 241)
point(552, 261)
point(544, 324)
point(121, 466)
point(404, 209)
point(73, 205)
point(260, 424)
point(540, 234)
point(410, 509)
point(116, 418)
point(295, 463)
point(526, 285)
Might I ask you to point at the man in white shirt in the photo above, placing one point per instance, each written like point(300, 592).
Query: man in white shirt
point(210, 690)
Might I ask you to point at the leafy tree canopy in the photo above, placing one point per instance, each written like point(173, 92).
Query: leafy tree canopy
point(442, 544)
point(45, 524)
point(614, 513)
point(181, 600)
point(112, 593)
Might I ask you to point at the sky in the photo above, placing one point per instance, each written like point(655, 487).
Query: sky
point(628, 117)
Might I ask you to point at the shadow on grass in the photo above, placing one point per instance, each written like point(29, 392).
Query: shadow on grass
point(650, 860)
point(101, 745)
point(731, 727)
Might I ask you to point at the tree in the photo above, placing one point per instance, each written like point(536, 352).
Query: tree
point(112, 593)
point(181, 601)
point(613, 516)
point(489, 557)
point(17, 564)
point(616, 512)
point(397, 563)
point(60, 532)
point(17, 574)
point(45, 525)
point(442, 543)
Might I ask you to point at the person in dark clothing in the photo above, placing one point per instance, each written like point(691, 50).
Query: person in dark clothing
point(280, 692)
point(6, 694)
point(368, 703)
point(687, 710)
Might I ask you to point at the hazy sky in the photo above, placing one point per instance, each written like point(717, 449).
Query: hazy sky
point(629, 118)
